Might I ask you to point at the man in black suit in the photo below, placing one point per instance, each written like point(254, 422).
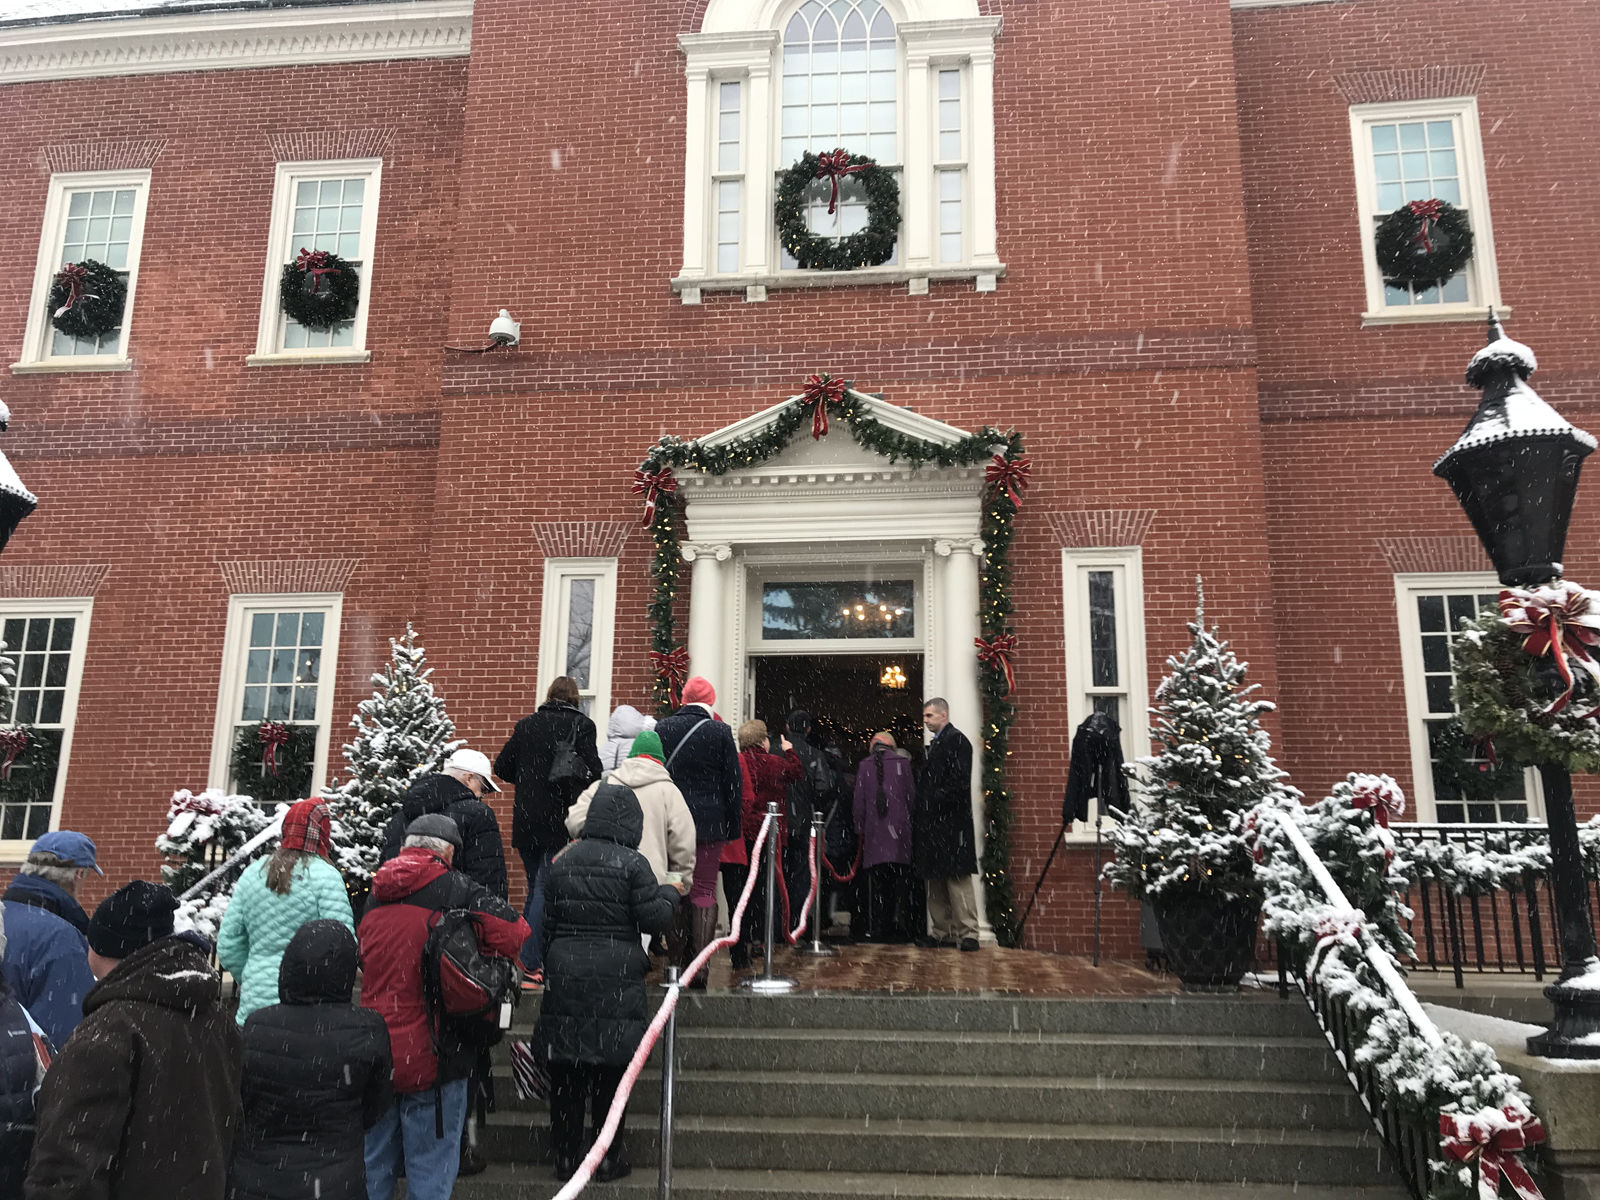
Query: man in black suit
point(944, 846)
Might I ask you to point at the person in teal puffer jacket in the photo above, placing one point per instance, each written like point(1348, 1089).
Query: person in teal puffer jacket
point(274, 898)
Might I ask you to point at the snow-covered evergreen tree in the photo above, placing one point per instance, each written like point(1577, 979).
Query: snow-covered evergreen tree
point(1185, 831)
point(402, 733)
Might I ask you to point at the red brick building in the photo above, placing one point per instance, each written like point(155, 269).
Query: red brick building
point(1136, 232)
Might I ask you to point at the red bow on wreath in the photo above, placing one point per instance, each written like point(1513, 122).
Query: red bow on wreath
point(1009, 475)
point(13, 741)
point(1492, 1137)
point(272, 735)
point(75, 278)
point(1427, 211)
point(819, 392)
point(833, 166)
point(1381, 794)
point(1333, 927)
point(1560, 620)
point(672, 667)
point(652, 485)
point(997, 653)
point(316, 262)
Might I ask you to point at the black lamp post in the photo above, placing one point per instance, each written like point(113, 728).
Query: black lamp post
point(1515, 471)
point(16, 501)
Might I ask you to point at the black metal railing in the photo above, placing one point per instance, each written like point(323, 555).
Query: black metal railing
point(1480, 899)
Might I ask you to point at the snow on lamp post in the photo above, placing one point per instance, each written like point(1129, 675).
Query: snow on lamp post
point(16, 501)
point(1515, 471)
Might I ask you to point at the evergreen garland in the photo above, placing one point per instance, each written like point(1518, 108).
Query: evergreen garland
point(296, 760)
point(994, 579)
point(1423, 243)
point(320, 289)
point(86, 299)
point(868, 248)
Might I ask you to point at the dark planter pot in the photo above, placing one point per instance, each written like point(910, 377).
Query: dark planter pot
point(1210, 939)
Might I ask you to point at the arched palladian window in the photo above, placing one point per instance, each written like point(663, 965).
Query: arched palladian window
point(910, 83)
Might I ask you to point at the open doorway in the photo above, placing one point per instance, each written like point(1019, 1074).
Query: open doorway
point(850, 697)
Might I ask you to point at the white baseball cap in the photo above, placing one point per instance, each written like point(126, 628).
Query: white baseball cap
point(475, 761)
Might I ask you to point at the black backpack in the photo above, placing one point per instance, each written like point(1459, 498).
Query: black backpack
point(568, 772)
point(459, 981)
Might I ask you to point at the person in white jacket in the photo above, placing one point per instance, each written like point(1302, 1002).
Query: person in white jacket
point(668, 842)
point(626, 723)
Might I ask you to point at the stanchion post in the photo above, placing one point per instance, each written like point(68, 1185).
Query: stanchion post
point(768, 982)
point(669, 1047)
point(817, 949)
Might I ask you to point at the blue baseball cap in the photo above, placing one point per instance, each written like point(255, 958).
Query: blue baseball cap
point(69, 847)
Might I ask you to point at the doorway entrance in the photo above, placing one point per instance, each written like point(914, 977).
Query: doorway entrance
point(850, 697)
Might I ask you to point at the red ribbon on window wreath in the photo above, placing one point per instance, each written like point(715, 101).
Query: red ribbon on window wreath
point(834, 165)
point(1427, 211)
point(272, 735)
point(315, 262)
point(13, 741)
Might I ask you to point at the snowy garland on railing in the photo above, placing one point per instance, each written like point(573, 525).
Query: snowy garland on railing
point(202, 831)
point(826, 397)
point(1425, 1079)
point(1477, 862)
point(1527, 676)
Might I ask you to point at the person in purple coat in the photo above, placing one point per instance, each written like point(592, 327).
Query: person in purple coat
point(885, 791)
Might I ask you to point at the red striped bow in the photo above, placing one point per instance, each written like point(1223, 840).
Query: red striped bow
point(272, 735)
point(1558, 619)
point(834, 165)
point(1008, 475)
point(13, 741)
point(1492, 1137)
point(652, 485)
point(75, 278)
point(997, 652)
point(672, 668)
point(819, 392)
point(1379, 793)
point(316, 262)
point(1429, 211)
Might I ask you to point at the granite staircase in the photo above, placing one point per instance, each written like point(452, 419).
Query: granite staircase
point(1009, 1098)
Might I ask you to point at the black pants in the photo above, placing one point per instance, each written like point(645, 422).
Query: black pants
point(890, 914)
point(734, 876)
point(573, 1088)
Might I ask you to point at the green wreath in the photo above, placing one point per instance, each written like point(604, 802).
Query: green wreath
point(1502, 692)
point(1423, 243)
point(295, 760)
point(320, 289)
point(1457, 774)
point(86, 299)
point(873, 245)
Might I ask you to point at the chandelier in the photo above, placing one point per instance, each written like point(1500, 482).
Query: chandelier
point(892, 677)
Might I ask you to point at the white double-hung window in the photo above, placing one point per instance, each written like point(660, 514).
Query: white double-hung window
point(1454, 779)
point(1423, 150)
point(1103, 608)
point(329, 206)
point(911, 89)
point(577, 617)
point(91, 216)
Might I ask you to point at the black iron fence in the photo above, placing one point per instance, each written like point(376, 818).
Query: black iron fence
point(1481, 901)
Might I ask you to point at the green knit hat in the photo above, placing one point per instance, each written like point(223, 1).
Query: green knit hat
point(647, 743)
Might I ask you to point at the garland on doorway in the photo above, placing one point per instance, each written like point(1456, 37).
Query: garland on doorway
point(826, 397)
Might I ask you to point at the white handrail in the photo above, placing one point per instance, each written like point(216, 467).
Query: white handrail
point(1376, 956)
point(271, 831)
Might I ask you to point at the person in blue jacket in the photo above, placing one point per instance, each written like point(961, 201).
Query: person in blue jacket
point(46, 959)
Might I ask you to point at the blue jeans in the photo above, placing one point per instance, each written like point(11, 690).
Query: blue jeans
point(407, 1133)
point(536, 865)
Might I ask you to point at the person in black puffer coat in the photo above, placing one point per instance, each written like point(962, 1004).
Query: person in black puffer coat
point(457, 791)
point(539, 816)
point(600, 896)
point(24, 1056)
point(317, 1076)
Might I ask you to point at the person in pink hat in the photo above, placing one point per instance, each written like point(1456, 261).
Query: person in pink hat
point(704, 762)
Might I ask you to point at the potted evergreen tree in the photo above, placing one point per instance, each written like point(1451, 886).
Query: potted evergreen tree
point(1183, 846)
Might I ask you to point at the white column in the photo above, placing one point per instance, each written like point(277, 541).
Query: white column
point(984, 235)
point(707, 588)
point(696, 171)
point(958, 630)
point(916, 207)
point(758, 169)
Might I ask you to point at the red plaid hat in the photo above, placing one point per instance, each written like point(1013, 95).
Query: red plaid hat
point(307, 826)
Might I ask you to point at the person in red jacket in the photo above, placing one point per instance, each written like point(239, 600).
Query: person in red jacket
point(430, 1087)
point(769, 774)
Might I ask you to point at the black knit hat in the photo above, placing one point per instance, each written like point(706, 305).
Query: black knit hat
point(133, 916)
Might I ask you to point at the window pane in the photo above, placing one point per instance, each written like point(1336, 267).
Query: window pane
point(1430, 613)
point(27, 708)
point(61, 637)
point(580, 629)
point(1103, 628)
point(288, 632)
point(1110, 705)
point(55, 673)
point(278, 703)
point(1461, 608)
point(305, 703)
point(261, 629)
point(310, 666)
point(255, 670)
point(254, 707)
point(1435, 653)
point(311, 629)
point(843, 609)
point(51, 705)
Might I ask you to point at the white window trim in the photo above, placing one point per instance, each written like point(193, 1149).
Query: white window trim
point(235, 641)
point(551, 623)
point(1134, 664)
point(754, 57)
point(269, 331)
point(1407, 587)
point(36, 356)
point(1475, 190)
point(81, 608)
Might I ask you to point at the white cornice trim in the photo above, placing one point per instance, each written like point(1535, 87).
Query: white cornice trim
point(220, 41)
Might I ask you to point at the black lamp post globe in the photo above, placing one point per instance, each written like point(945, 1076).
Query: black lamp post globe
point(1515, 471)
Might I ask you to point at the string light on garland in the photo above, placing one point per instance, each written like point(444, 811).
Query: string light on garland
point(826, 397)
